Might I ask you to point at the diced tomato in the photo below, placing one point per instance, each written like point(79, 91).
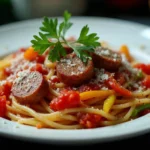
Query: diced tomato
point(88, 120)
point(21, 50)
point(39, 126)
point(8, 102)
point(40, 59)
point(5, 89)
point(7, 71)
point(39, 68)
point(118, 88)
point(89, 87)
point(2, 106)
point(67, 99)
point(30, 54)
point(26, 67)
point(55, 80)
point(144, 112)
point(120, 78)
point(69, 88)
point(146, 82)
point(144, 67)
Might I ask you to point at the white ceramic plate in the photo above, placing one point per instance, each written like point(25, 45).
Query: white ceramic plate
point(116, 32)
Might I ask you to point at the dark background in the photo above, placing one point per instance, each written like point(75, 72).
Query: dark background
point(133, 10)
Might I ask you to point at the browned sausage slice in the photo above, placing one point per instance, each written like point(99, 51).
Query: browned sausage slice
point(29, 87)
point(68, 49)
point(106, 58)
point(72, 71)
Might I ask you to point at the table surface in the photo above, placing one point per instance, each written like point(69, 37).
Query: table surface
point(136, 141)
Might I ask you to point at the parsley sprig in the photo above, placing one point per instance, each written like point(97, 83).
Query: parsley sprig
point(52, 36)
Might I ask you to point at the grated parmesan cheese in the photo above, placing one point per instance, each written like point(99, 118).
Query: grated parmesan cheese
point(81, 69)
point(127, 66)
point(104, 88)
point(2, 82)
point(101, 75)
point(20, 76)
point(17, 65)
point(107, 53)
point(67, 61)
point(104, 52)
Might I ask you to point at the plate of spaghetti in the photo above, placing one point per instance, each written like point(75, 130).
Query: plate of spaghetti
point(63, 83)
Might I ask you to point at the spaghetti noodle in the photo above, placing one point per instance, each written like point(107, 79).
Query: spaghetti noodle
point(108, 98)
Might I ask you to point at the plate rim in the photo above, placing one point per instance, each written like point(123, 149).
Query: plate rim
point(79, 140)
point(96, 18)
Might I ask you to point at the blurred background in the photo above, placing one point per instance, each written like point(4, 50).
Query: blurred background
point(133, 10)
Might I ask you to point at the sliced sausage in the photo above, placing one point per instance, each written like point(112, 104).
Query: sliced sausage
point(106, 58)
point(68, 49)
point(29, 87)
point(72, 71)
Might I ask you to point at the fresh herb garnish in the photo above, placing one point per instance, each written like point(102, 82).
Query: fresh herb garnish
point(139, 109)
point(56, 33)
point(139, 75)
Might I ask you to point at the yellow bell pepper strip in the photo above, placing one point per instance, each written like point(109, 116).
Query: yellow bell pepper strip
point(96, 93)
point(140, 109)
point(108, 103)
